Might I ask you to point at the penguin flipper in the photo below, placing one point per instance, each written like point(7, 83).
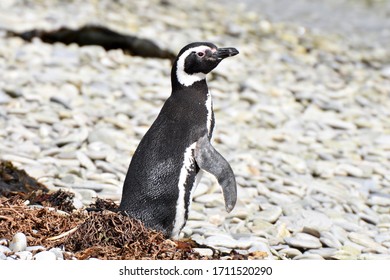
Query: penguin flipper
point(208, 159)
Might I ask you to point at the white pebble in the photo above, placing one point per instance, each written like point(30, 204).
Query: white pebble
point(58, 253)
point(203, 251)
point(4, 249)
point(18, 243)
point(270, 214)
point(45, 256)
point(24, 255)
point(303, 240)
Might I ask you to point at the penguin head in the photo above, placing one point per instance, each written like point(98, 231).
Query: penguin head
point(196, 60)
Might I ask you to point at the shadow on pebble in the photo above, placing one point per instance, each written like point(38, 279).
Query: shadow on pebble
point(100, 36)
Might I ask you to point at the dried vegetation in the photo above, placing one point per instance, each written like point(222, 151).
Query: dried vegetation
point(50, 220)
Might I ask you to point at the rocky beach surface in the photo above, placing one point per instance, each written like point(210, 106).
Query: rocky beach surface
point(302, 117)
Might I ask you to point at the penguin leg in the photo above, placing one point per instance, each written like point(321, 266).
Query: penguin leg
point(210, 160)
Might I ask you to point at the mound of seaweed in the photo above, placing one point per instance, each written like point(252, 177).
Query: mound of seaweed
point(13, 179)
point(50, 220)
point(41, 225)
point(101, 234)
point(107, 235)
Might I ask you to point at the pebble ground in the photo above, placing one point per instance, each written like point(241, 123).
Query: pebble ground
point(303, 118)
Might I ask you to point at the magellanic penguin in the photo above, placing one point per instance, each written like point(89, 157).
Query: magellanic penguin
point(165, 167)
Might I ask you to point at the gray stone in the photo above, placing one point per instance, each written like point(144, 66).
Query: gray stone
point(326, 253)
point(18, 243)
point(271, 214)
point(196, 216)
point(311, 231)
point(339, 124)
point(259, 246)
point(4, 249)
point(328, 239)
point(77, 137)
point(303, 141)
point(45, 256)
point(58, 253)
point(87, 195)
point(211, 200)
point(309, 219)
point(369, 218)
point(348, 226)
point(374, 257)
point(61, 101)
point(290, 252)
point(216, 219)
point(349, 170)
point(46, 117)
point(4, 98)
point(385, 72)
point(97, 155)
point(24, 255)
point(382, 237)
point(104, 135)
point(20, 159)
point(339, 233)
point(85, 161)
point(203, 251)
point(353, 247)
point(383, 140)
point(379, 199)
point(366, 241)
point(77, 203)
point(227, 242)
point(308, 257)
point(303, 240)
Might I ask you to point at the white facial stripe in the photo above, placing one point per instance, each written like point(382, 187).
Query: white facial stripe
point(184, 78)
point(180, 204)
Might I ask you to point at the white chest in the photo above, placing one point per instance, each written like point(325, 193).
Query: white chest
point(209, 107)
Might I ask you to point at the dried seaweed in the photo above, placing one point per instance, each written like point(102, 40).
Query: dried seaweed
point(123, 236)
point(13, 179)
point(104, 234)
point(38, 224)
point(103, 204)
point(60, 199)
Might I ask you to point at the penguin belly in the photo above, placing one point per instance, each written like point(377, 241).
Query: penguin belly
point(186, 186)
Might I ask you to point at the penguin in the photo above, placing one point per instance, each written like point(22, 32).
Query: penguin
point(168, 162)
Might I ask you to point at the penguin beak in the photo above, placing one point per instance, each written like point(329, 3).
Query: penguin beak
point(222, 53)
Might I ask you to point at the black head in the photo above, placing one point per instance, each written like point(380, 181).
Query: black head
point(195, 60)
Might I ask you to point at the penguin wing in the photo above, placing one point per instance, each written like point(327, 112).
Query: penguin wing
point(210, 160)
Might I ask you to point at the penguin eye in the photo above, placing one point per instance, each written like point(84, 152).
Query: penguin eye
point(200, 54)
